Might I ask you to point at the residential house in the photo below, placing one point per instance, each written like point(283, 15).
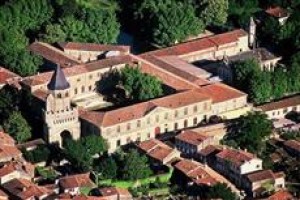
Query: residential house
point(279, 13)
point(281, 195)
point(8, 153)
point(73, 183)
point(6, 76)
point(190, 142)
point(191, 172)
point(279, 109)
point(6, 139)
point(208, 154)
point(234, 163)
point(158, 151)
point(24, 189)
point(261, 182)
point(293, 147)
point(114, 193)
point(16, 169)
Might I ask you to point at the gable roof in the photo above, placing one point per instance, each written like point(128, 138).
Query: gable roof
point(191, 137)
point(280, 104)
point(277, 12)
point(92, 47)
point(236, 157)
point(6, 139)
point(77, 180)
point(5, 75)
point(115, 191)
point(8, 152)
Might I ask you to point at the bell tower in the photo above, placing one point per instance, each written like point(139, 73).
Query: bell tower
point(252, 33)
point(61, 119)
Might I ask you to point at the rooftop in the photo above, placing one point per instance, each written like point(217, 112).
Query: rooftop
point(293, 144)
point(8, 152)
point(236, 157)
point(58, 80)
point(5, 74)
point(277, 12)
point(92, 47)
point(77, 180)
point(114, 191)
point(191, 137)
point(281, 195)
point(6, 139)
point(280, 104)
point(262, 176)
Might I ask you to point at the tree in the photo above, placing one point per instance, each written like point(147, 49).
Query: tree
point(175, 23)
point(279, 83)
point(243, 72)
point(80, 152)
point(135, 166)
point(9, 101)
point(108, 168)
point(213, 12)
point(94, 144)
point(221, 190)
point(17, 127)
point(260, 87)
point(251, 131)
point(39, 154)
point(139, 86)
point(294, 74)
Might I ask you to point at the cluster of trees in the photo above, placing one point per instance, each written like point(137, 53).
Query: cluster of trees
point(23, 21)
point(249, 132)
point(126, 166)
point(263, 86)
point(169, 21)
point(39, 154)
point(135, 86)
point(81, 152)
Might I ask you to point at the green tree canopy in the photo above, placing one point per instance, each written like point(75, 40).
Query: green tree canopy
point(260, 87)
point(17, 127)
point(294, 74)
point(140, 86)
point(221, 190)
point(250, 132)
point(107, 167)
point(175, 23)
point(41, 153)
point(135, 166)
point(279, 83)
point(213, 12)
point(94, 144)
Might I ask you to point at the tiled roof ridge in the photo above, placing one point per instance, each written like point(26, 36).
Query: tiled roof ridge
point(70, 45)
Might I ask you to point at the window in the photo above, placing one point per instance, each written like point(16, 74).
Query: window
point(185, 111)
point(157, 118)
point(176, 113)
point(67, 94)
point(75, 91)
point(82, 89)
point(185, 123)
point(285, 110)
point(166, 115)
point(119, 129)
point(195, 108)
point(166, 129)
point(139, 123)
point(128, 126)
point(91, 76)
point(176, 126)
point(78, 80)
point(195, 121)
point(118, 143)
point(148, 135)
point(59, 95)
point(90, 88)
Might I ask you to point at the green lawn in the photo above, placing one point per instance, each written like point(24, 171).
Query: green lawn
point(127, 184)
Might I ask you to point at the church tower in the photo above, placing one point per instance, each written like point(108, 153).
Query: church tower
point(252, 33)
point(61, 119)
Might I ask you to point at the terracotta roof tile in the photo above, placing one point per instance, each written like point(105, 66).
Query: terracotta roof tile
point(201, 44)
point(114, 191)
point(53, 54)
point(22, 167)
point(78, 180)
point(236, 157)
point(191, 137)
point(92, 47)
point(9, 152)
point(139, 110)
point(6, 139)
point(196, 172)
point(5, 75)
point(293, 144)
point(210, 149)
point(284, 103)
point(277, 12)
point(261, 176)
point(156, 149)
point(220, 92)
point(282, 195)
point(24, 189)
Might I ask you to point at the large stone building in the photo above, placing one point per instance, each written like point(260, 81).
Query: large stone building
point(71, 105)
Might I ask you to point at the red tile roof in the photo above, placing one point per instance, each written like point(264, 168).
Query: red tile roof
point(293, 144)
point(262, 175)
point(210, 149)
point(202, 44)
point(82, 197)
point(220, 92)
point(280, 104)
point(114, 191)
point(9, 152)
point(22, 167)
point(277, 12)
point(196, 172)
point(53, 54)
point(236, 157)
point(24, 189)
point(5, 75)
point(74, 181)
point(282, 195)
point(92, 47)
point(6, 139)
point(156, 149)
point(139, 110)
point(191, 137)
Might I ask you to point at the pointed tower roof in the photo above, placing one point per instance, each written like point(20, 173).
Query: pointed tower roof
point(58, 80)
point(252, 22)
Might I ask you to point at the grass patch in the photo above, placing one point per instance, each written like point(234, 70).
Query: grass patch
point(85, 191)
point(46, 173)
